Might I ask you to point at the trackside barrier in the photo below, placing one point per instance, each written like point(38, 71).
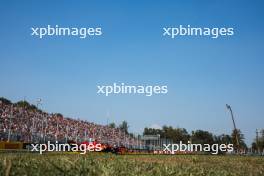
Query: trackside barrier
point(11, 145)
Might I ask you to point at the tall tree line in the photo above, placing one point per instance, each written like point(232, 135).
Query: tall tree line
point(198, 136)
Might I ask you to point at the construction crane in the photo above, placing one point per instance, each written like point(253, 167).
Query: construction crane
point(235, 129)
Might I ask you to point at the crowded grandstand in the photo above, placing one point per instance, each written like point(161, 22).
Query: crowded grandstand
point(27, 123)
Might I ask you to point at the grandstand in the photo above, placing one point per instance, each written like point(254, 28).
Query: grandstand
point(27, 123)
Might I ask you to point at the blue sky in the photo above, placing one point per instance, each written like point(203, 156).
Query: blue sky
point(202, 74)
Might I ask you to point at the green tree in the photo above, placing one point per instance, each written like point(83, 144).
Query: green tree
point(238, 140)
point(124, 126)
point(226, 139)
point(258, 144)
point(112, 125)
point(5, 101)
point(181, 134)
point(202, 137)
point(23, 104)
point(175, 134)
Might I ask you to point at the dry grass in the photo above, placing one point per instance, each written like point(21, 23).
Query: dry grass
point(110, 164)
